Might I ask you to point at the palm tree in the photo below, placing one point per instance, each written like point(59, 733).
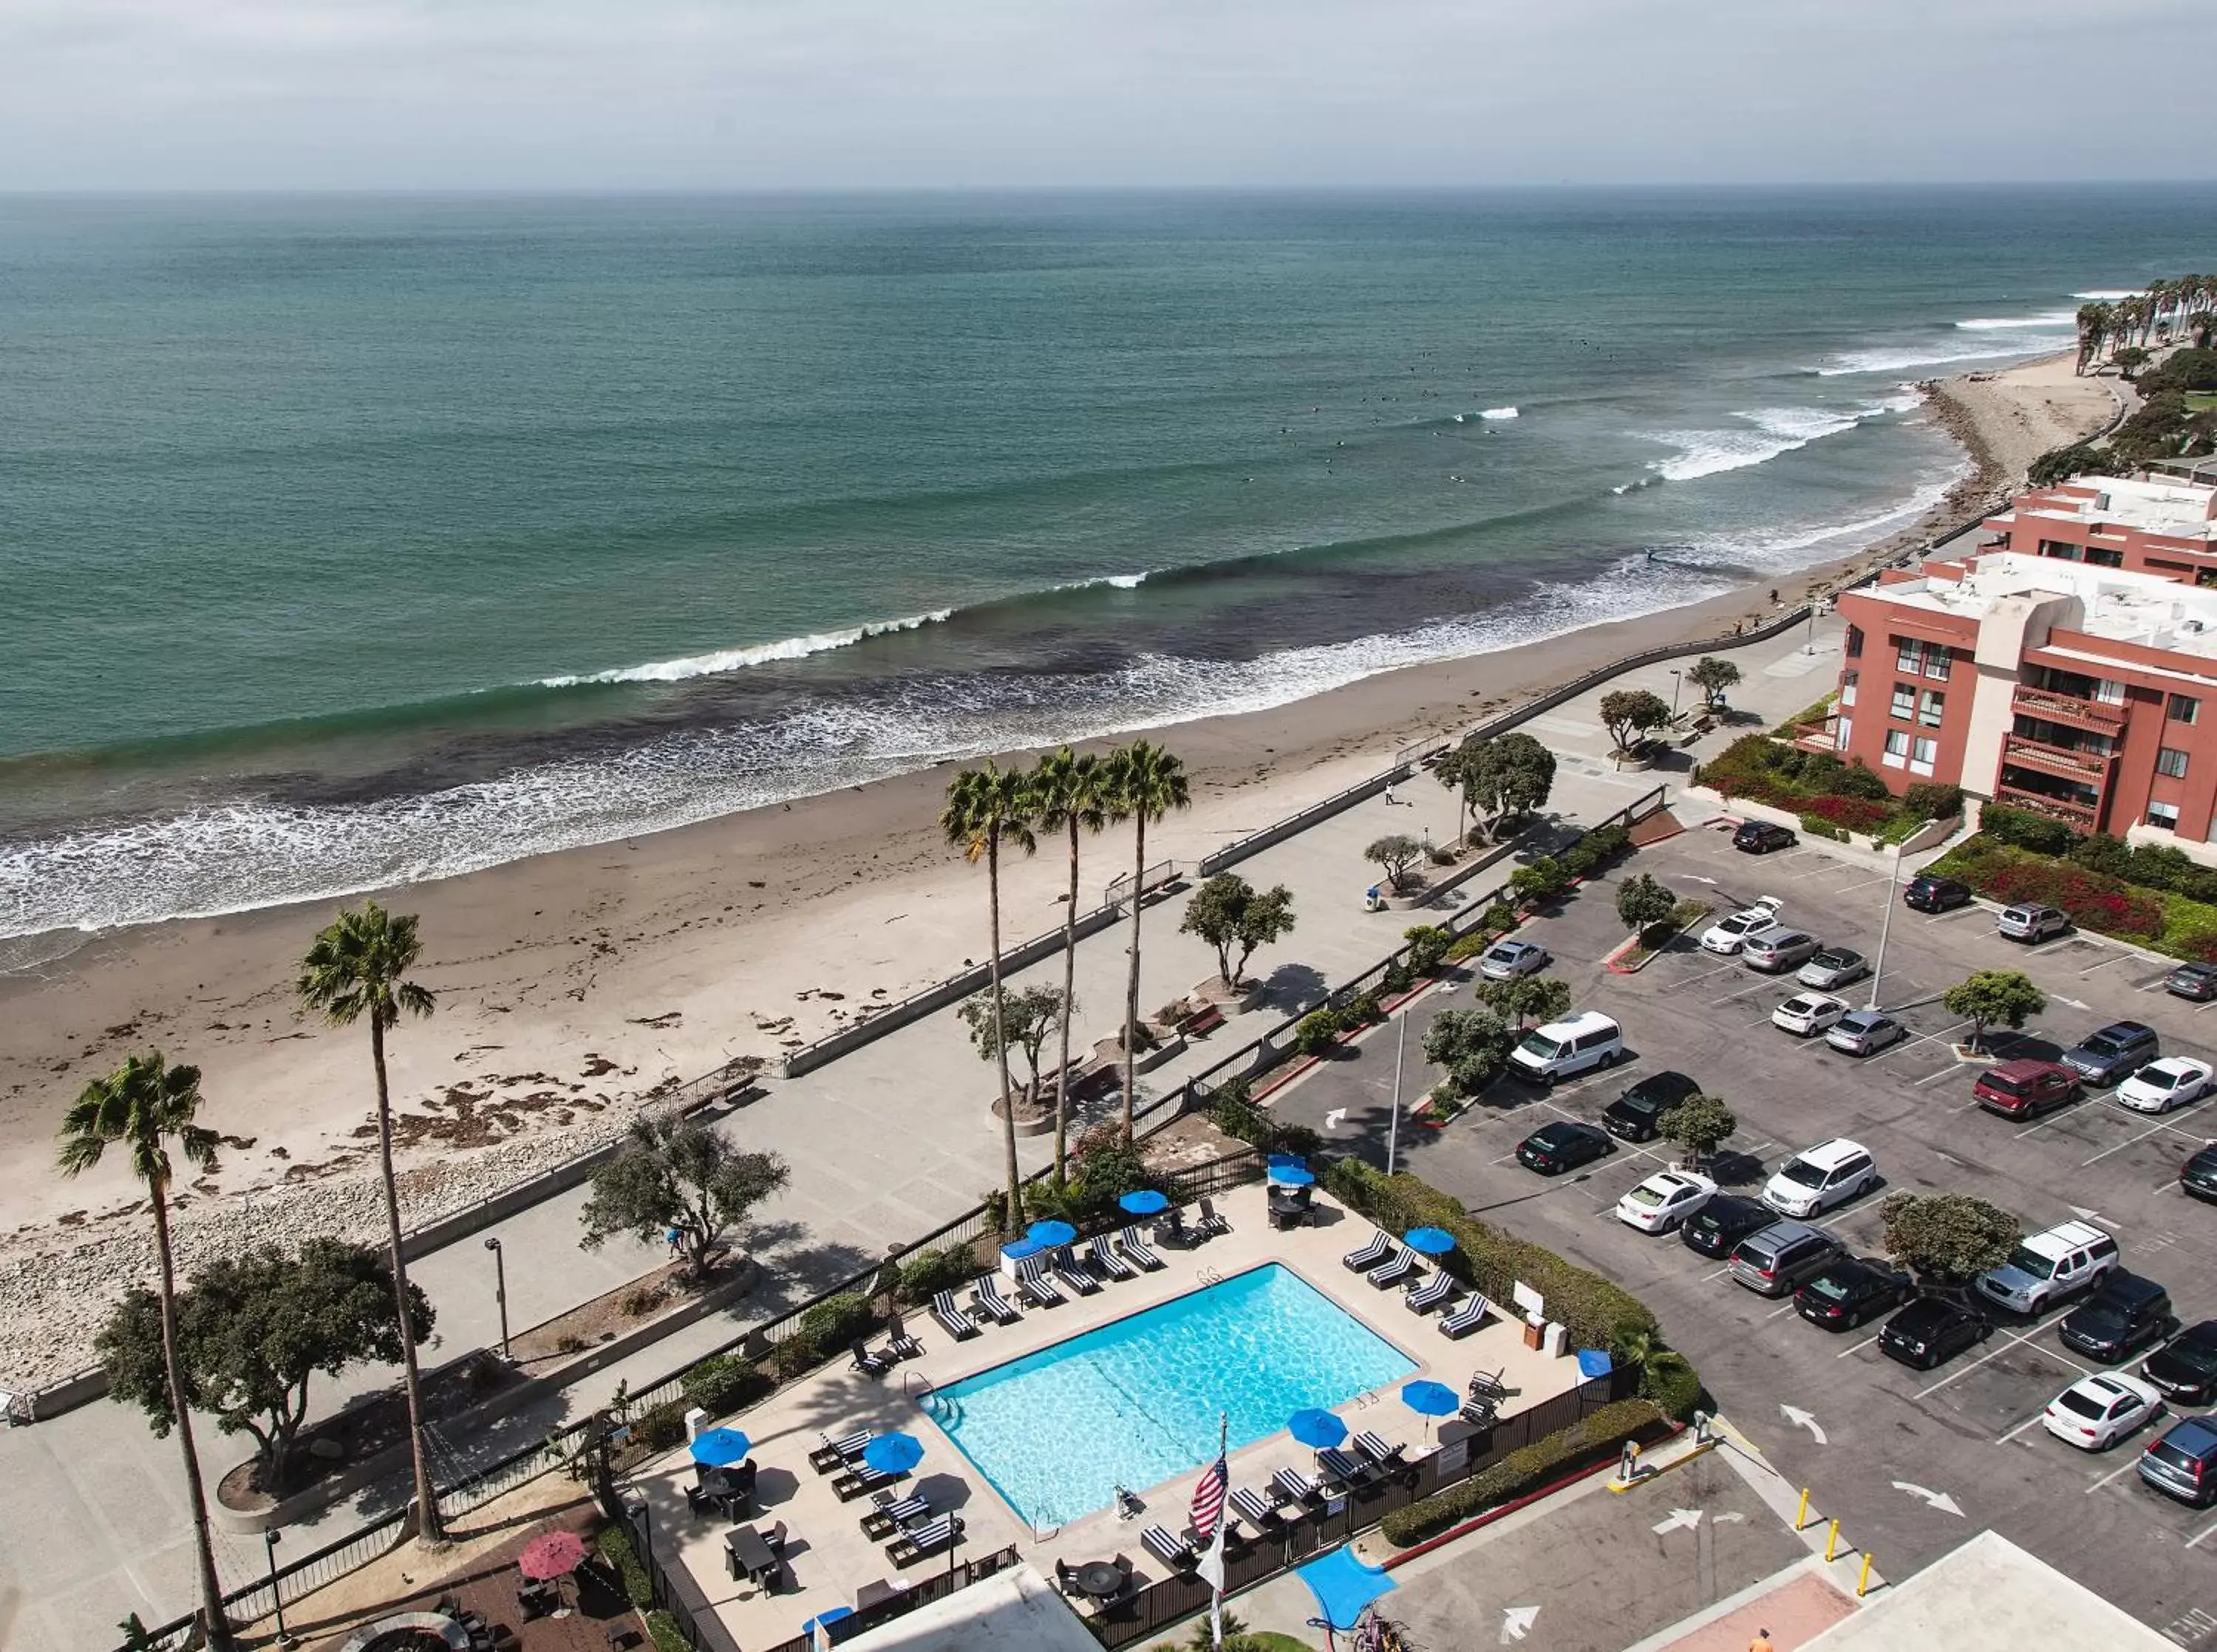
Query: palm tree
point(1072, 795)
point(1148, 782)
point(2094, 322)
point(356, 968)
point(986, 807)
point(143, 1105)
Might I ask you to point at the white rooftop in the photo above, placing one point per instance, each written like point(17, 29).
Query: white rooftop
point(2146, 609)
point(1989, 1595)
point(2166, 506)
point(1014, 1611)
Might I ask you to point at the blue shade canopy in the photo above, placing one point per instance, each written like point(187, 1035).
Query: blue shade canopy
point(1146, 1202)
point(1017, 1250)
point(893, 1454)
point(719, 1447)
point(1292, 1175)
point(831, 1615)
point(1316, 1428)
point(1344, 1586)
point(1429, 1242)
point(1430, 1399)
point(1051, 1233)
point(1595, 1362)
point(1286, 1158)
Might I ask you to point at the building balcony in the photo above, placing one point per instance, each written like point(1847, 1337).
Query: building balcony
point(2069, 708)
point(1824, 735)
point(2089, 766)
point(2068, 811)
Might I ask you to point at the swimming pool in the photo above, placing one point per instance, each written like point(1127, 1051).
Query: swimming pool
point(1136, 1402)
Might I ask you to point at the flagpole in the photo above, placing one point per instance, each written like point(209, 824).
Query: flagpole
point(1216, 1584)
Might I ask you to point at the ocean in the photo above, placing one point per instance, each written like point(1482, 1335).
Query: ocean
point(355, 539)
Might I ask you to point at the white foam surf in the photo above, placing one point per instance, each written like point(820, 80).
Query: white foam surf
point(1499, 413)
point(737, 659)
point(1773, 431)
point(2110, 294)
point(2052, 318)
point(1119, 582)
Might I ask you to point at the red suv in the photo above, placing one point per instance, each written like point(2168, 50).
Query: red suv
point(2017, 1089)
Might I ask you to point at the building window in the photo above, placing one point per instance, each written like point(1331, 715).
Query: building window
point(1855, 642)
point(1844, 733)
point(1933, 707)
point(2173, 761)
point(2110, 693)
point(1897, 748)
point(2183, 708)
point(2062, 548)
point(1935, 661)
point(1924, 752)
point(1905, 702)
point(1847, 688)
point(1907, 651)
point(2102, 556)
point(2164, 815)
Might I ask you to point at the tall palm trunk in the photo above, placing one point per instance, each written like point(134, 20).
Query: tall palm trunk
point(1014, 1213)
point(212, 1614)
point(429, 1525)
point(1069, 990)
point(1131, 980)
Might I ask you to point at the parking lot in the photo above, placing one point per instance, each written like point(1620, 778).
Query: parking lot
point(1912, 1463)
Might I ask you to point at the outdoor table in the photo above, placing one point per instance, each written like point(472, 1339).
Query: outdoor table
point(453, 1634)
point(1101, 1578)
point(747, 1554)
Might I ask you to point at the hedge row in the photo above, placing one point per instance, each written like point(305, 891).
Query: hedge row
point(2094, 900)
point(1599, 1313)
point(668, 1638)
point(2149, 865)
point(1600, 1434)
point(614, 1544)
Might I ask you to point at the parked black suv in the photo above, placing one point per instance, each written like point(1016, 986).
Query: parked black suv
point(2125, 1313)
point(2185, 1368)
point(1930, 893)
point(1930, 1331)
point(2117, 1051)
point(2198, 1175)
point(1635, 1115)
point(1761, 837)
point(1849, 1292)
point(1723, 1223)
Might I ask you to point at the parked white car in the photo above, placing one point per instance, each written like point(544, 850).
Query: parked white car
point(1807, 1014)
point(2096, 1411)
point(1728, 935)
point(2162, 1085)
point(1663, 1202)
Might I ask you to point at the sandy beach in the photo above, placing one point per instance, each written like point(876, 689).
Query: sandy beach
point(572, 985)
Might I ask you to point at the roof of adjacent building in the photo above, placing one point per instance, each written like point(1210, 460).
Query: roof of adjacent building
point(2145, 610)
point(1989, 1595)
point(2151, 505)
point(1014, 1611)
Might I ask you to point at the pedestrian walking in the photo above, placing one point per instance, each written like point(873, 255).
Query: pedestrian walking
point(1761, 1642)
point(676, 1238)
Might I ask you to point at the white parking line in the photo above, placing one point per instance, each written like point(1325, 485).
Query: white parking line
point(2122, 1145)
point(2032, 1422)
point(2125, 1467)
point(2022, 1340)
point(2195, 1541)
point(1858, 1347)
point(2105, 964)
point(1788, 1309)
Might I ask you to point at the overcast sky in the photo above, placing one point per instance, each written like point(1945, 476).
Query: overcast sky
point(746, 93)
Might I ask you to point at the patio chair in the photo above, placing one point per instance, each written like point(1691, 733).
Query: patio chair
point(1431, 1293)
point(1363, 1261)
point(1211, 1222)
point(910, 1547)
point(1339, 1465)
point(1034, 1286)
point(1171, 1551)
point(1293, 1486)
point(621, 1634)
point(1385, 1455)
point(1401, 1267)
point(1136, 1251)
point(1466, 1318)
point(991, 1304)
point(1102, 1259)
point(1486, 1384)
point(1250, 1507)
point(863, 1478)
point(951, 1320)
point(1478, 1411)
point(832, 1455)
point(702, 1501)
point(870, 1364)
point(1067, 1270)
point(881, 1523)
point(899, 1345)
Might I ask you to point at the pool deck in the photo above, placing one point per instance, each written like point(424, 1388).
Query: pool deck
point(829, 1559)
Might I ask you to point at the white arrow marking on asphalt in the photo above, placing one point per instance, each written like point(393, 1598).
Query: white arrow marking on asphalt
point(1516, 1623)
point(1727, 1520)
point(1336, 1118)
point(2085, 1214)
point(1687, 1518)
point(2073, 1003)
point(1796, 1417)
point(1939, 1500)
point(1696, 878)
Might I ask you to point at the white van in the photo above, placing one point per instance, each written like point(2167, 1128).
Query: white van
point(1566, 1049)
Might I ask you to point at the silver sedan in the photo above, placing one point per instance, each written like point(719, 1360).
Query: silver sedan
point(1833, 968)
point(1864, 1032)
point(1507, 960)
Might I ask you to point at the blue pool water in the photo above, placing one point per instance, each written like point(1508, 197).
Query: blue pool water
point(1138, 1402)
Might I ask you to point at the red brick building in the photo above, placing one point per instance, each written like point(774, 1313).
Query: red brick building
point(2069, 665)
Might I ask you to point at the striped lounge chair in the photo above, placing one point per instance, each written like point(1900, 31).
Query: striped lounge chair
point(899, 1345)
point(912, 1546)
point(951, 1320)
point(1294, 1487)
point(1067, 1270)
point(881, 1523)
point(1174, 1552)
point(1035, 1286)
point(991, 1304)
point(1385, 1455)
point(859, 1480)
point(1403, 1265)
point(1136, 1251)
point(1250, 1507)
point(1342, 1466)
point(1102, 1259)
point(1363, 1261)
point(1429, 1294)
point(1468, 1317)
point(832, 1455)
point(1211, 1220)
point(870, 1364)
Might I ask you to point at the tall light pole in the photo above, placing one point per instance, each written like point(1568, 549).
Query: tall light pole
point(1393, 1125)
point(1885, 924)
point(500, 1292)
point(271, 1537)
point(1676, 684)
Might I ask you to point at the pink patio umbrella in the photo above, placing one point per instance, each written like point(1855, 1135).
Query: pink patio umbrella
point(551, 1555)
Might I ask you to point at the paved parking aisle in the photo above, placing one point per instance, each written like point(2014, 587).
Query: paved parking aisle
point(1912, 1462)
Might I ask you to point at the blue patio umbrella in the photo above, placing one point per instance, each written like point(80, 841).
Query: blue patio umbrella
point(1146, 1202)
point(1292, 1175)
point(828, 1617)
point(1344, 1586)
point(1051, 1233)
point(1287, 1158)
point(1316, 1428)
point(719, 1447)
point(1430, 1399)
point(897, 1453)
point(1429, 1242)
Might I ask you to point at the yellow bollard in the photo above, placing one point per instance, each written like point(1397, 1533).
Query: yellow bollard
point(1863, 1582)
point(1801, 1514)
point(1831, 1540)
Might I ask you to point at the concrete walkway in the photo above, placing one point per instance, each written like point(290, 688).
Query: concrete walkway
point(885, 1144)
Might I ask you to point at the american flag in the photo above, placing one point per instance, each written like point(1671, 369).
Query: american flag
point(1208, 1499)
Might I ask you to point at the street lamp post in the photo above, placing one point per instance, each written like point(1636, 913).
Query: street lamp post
point(1393, 1125)
point(1885, 924)
point(1676, 684)
point(500, 1290)
point(271, 1537)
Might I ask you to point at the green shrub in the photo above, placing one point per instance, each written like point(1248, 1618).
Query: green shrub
point(1857, 780)
point(1316, 1031)
point(1929, 800)
point(665, 1633)
point(661, 1427)
point(1428, 945)
point(1818, 826)
point(1232, 1115)
point(1470, 943)
point(723, 1382)
point(1686, 913)
point(1542, 880)
point(924, 1273)
point(1674, 1386)
point(1599, 1436)
point(1396, 977)
point(614, 1544)
point(2022, 829)
point(831, 1327)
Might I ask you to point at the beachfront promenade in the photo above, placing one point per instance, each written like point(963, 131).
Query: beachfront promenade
point(886, 1143)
